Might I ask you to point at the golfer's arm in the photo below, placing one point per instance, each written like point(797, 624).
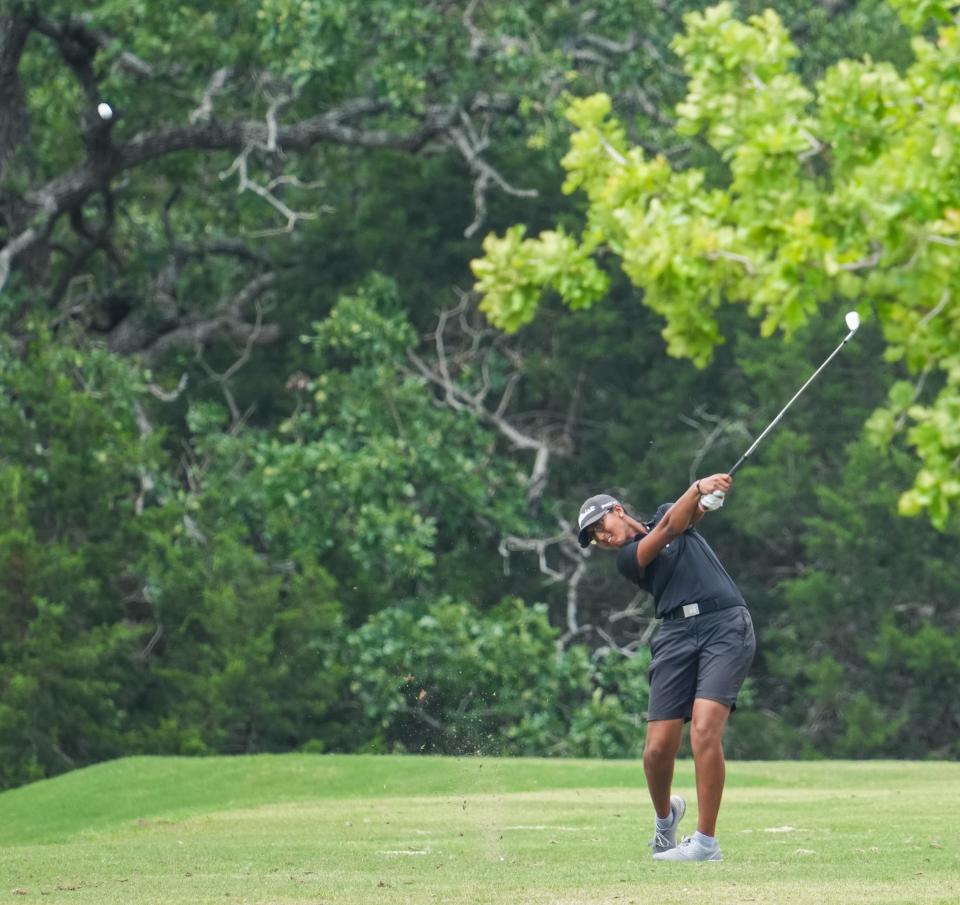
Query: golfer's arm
point(698, 512)
point(676, 520)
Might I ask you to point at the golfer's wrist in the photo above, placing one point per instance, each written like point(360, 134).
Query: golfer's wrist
point(697, 488)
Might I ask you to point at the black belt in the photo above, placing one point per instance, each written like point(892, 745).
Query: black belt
point(699, 609)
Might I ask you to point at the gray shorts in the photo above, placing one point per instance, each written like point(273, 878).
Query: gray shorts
point(701, 657)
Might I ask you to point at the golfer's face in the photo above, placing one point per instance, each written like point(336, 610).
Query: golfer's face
point(612, 530)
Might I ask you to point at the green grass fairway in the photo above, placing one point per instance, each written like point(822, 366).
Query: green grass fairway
point(340, 830)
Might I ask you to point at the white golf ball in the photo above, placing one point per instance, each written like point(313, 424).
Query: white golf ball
point(105, 111)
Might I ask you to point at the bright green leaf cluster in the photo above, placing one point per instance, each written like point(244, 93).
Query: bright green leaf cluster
point(917, 13)
point(852, 193)
point(516, 270)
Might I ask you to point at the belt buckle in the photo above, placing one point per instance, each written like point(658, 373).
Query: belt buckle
point(691, 609)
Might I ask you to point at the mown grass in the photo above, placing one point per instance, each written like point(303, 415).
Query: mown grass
point(348, 830)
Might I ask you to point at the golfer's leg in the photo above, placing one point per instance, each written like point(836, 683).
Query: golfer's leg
point(659, 756)
point(706, 739)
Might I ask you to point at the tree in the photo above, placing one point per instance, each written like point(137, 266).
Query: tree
point(74, 468)
point(128, 130)
point(864, 665)
point(238, 465)
point(846, 194)
point(447, 679)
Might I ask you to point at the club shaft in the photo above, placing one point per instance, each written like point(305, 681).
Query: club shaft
point(796, 396)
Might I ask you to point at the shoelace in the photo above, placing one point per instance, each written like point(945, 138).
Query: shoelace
point(660, 840)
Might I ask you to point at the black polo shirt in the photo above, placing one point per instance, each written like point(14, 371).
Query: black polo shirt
point(685, 571)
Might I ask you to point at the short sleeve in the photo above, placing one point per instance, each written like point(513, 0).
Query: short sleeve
point(663, 509)
point(627, 564)
point(661, 512)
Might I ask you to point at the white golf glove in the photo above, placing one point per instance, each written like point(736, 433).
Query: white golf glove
point(711, 501)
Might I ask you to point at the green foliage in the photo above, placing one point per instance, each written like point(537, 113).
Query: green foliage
point(553, 261)
point(367, 470)
point(870, 657)
point(427, 52)
point(922, 662)
point(180, 579)
point(71, 458)
point(449, 679)
point(790, 230)
point(246, 657)
point(918, 13)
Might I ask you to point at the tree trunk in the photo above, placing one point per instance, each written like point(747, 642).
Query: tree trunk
point(14, 121)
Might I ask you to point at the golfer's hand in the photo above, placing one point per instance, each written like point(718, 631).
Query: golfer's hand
point(715, 483)
point(712, 501)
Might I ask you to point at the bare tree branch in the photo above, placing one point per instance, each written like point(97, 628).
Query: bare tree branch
point(933, 312)
point(731, 256)
point(480, 41)
point(71, 188)
point(205, 110)
point(444, 374)
point(471, 144)
point(225, 322)
point(223, 379)
point(571, 572)
point(538, 545)
point(713, 430)
point(163, 395)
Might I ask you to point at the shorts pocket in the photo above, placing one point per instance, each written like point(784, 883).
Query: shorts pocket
point(748, 638)
point(655, 641)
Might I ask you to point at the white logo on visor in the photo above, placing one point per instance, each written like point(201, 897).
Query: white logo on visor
point(587, 512)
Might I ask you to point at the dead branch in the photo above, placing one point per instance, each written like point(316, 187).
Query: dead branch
point(715, 428)
point(571, 572)
point(158, 322)
point(480, 41)
point(731, 256)
point(147, 482)
point(471, 144)
point(225, 322)
point(222, 379)
point(539, 545)
point(70, 189)
point(216, 84)
point(933, 312)
point(917, 393)
point(445, 374)
point(163, 395)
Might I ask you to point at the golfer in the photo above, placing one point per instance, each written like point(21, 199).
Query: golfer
point(701, 651)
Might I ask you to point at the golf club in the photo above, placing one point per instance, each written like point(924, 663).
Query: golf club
point(715, 500)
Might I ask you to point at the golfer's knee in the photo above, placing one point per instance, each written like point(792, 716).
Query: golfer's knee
point(705, 734)
point(658, 752)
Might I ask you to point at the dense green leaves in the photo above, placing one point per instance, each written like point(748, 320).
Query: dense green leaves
point(252, 501)
point(452, 681)
point(72, 464)
point(852, 198)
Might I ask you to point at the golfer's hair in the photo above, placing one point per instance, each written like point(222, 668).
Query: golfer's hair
point(646, 519)
point(628, 508)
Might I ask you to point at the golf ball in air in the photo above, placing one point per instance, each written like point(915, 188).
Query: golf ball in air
point(105, 110)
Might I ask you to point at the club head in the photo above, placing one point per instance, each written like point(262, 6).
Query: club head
point(853, 321)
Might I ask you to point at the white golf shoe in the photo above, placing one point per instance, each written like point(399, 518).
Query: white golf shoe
point(690, 850)
point(665, 840)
